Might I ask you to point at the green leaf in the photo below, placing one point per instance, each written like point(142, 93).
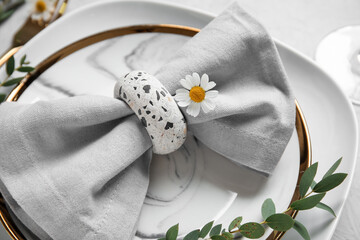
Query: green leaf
point(333, 168)
point(217, 237)
point(13, 4)
point(10, 66)
point(228, 235)
point(330, 182)
point(313, 184)
point(162, 239)
point(206, 229)
point(6, 14)
point(22, 60)
point(301, 230)
point(280, 222)
point(268, 208)
point(2, 97)
point(13, 81)
point(215, 230)
point(25, 69)
point(172, 233)
point(307, 179)
point(194, 235)
point(252, 230)
point(307, 203)
point(235, 223)
point(10, 9)
point(326, 208)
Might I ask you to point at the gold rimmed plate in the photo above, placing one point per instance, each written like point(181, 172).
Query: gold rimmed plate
point(229, 200)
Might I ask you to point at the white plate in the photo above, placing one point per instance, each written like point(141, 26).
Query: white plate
point(330, 118)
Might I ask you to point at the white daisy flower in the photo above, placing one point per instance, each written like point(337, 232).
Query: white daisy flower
point(196, 94)
point(42, 9)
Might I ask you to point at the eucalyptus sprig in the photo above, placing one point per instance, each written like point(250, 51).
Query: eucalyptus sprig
point(7, 8)
point(10, 69)
point(311, 194)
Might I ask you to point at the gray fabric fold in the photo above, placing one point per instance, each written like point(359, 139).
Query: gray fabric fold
point(77, 168)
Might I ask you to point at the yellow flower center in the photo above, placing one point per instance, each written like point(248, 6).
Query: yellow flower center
point(197, 94)
point(40, 6)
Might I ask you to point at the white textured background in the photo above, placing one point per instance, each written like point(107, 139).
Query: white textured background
point(298, 23)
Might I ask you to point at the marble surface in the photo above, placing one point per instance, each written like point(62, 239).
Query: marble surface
point(300, 24)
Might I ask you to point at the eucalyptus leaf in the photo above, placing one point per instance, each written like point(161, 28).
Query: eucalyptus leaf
point(313, 184)
point(9, 9)
point(22, 60)
point(307, 178)
point(25, 69)
point(280, 222)
point(11, 4)
point(326, 208)
point(194, 235)
point(333, 168)
point(215, 230)
point(217, 237)
point(2, 97)
point(307, 203)
point(301, 230)
point(252, 230)
point(227, 235)
point(330, 182)
point(172, 233)
point(206, 229)
point(235, 223)
point(10, 66)
point(268, 208)
point(5, 15)
point(13, 81)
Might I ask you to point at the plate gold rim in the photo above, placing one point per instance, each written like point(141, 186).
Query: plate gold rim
point(300, 123)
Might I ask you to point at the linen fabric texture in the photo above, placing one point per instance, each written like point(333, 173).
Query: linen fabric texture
point(77, 168)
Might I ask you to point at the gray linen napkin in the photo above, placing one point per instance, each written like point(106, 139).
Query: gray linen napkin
point(77, 168)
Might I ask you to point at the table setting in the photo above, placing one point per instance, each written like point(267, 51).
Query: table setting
point(171, 120)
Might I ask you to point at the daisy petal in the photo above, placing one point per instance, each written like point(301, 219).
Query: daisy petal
point(184, 103)
point(211, 94)
point(182, 97)
point(207, 106)
point(190, 81)
point(46, 16)
point(185, 84)
point(181, 90)
point(204, 81)
point(193, 109)
point(35, 17)
point(196, 79)
point(209, 86)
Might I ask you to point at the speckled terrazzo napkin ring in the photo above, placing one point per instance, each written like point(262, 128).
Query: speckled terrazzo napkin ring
point(156, 109)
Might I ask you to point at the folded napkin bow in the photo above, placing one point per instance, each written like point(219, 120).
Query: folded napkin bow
point(77, 168)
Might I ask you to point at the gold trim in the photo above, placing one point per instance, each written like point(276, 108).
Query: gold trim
point(8, 222)
point(7, 55)
point(305, 161)
point(62, 8)
point(301, 126)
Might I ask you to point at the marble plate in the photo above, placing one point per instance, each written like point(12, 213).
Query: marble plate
point(211, 187)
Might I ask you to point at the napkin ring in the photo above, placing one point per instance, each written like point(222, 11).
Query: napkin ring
point(155, 108)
